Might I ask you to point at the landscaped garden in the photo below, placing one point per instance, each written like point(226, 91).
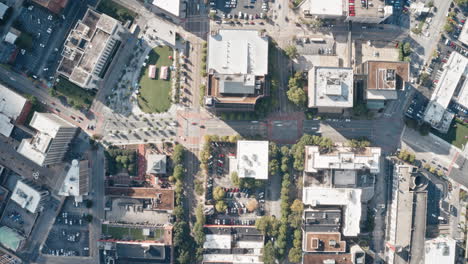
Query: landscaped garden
point(155, 93)
point(457, 134)
point(76, 96)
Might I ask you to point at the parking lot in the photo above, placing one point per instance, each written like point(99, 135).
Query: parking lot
point(18, 218)
point(69, 235)
point(240, 8)
point(244, 204)
point(41, 25)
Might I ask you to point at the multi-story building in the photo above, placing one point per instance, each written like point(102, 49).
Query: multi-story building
point(442, 249)
point(76, 181)
point(365, 11)
point(29, 196)
point(50, 143)
point(330, 89)
point(452, 84)
point(237, 66)
point(383, 81)
point(55, 6)
point(406, 228)
point(14, 109)
point(233, 244)
point(252, 159)
point(172, 8)
point(89, 49)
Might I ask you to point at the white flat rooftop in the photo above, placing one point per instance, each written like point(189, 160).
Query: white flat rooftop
point(342, 158)
point(6, 127)
point(463, 95)
point(349, 198)
point(331, 87)
point(238, 51)
point(454, 69)
point(171, 6)
point(324, 8)
point(11, 103)
point(464, 34)
point(71, 184)
point(233, 258)
point(252, 159)
point(440, 250)
point(218, 241)
point(26, 196)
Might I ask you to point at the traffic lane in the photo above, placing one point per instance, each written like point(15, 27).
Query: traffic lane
point(23, 85)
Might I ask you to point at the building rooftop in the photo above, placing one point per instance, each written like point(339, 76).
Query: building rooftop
point(238, 51)
point(252, 159)
point(160, 199)
point(370, 9)
point(343, 158)
point(171, 6)
point(146, 252)
point(322, 220)
point(3, 9)
point(323, 242)
point(76, 181)
point(349, 198)
point(321, 8)
point(440, 250)
point(86, 46)
point(384, 78)
point(27, 196)
point(330, 258)
point(54, 6)
point(463, 38)
point(454, 70)
point(156, 164)
point(10, 239)
point(11, 107)
point(8, 258)
point(330, 87)
point(462, 96)
point(47, 126)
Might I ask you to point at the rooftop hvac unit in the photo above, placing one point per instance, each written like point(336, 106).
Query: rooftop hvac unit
point(332, 242)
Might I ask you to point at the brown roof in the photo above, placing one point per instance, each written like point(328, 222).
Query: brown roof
point(213, 90)
point(162, 199)
point(54, 6)
point(320, 258)
point(375, 74)
point(324, 242)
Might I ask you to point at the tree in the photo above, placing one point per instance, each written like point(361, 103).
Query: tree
point(235, 179)
point(218, 193)
point(24, 41)
point(178, 154)
point(269, 256)
point(461, 2)
point(220, 206)
point(430, 4)
point(89, 203)
point(291, 51)
point(297, 96)
point(297, 206)
point(268, 225)
point(252, 204)
point(295, 255)
point(178, 172)
point(273, 167)
point(448, 27)
point(89, 218)
point(407, 48)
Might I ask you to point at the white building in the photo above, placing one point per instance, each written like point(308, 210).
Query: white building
point(12, 106)
point(28, 196)
point(349, 199)
point(156, 164)
point(343, 158)
point(89, 49)
point(454, 71)
point(440, 250)
point(370, 12)
point(237, 66)
point(233, 244)
point(3, 9)
point(12, 35)
point(419, 8)
point(51, 141)
point(76, 181)
point(330, 88)
point(463, 38)
point(252, 159)
point(174, 7)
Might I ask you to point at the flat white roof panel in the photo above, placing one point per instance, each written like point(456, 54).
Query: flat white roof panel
point(252, 159)
point(238, 51)
point(440, 250)
point(349, 198)
point(325, 8)
point(331, 87)
point(218, 241)
point(464, 34)
point(26, 196)
point(11, 103)
point(171, 6)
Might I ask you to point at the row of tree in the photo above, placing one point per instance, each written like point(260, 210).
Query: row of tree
point(296, 93)
point(183, 241)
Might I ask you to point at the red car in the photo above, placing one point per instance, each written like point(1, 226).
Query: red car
point(435, 81)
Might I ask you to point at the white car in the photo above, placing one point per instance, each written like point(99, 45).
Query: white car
point(49, 17)
point(49, 30)
point(42, 45)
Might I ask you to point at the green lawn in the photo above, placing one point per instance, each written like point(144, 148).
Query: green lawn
point(76, 96)
point(116, 11)
point(455, 135)
point(130, 233)
point(155, 93)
